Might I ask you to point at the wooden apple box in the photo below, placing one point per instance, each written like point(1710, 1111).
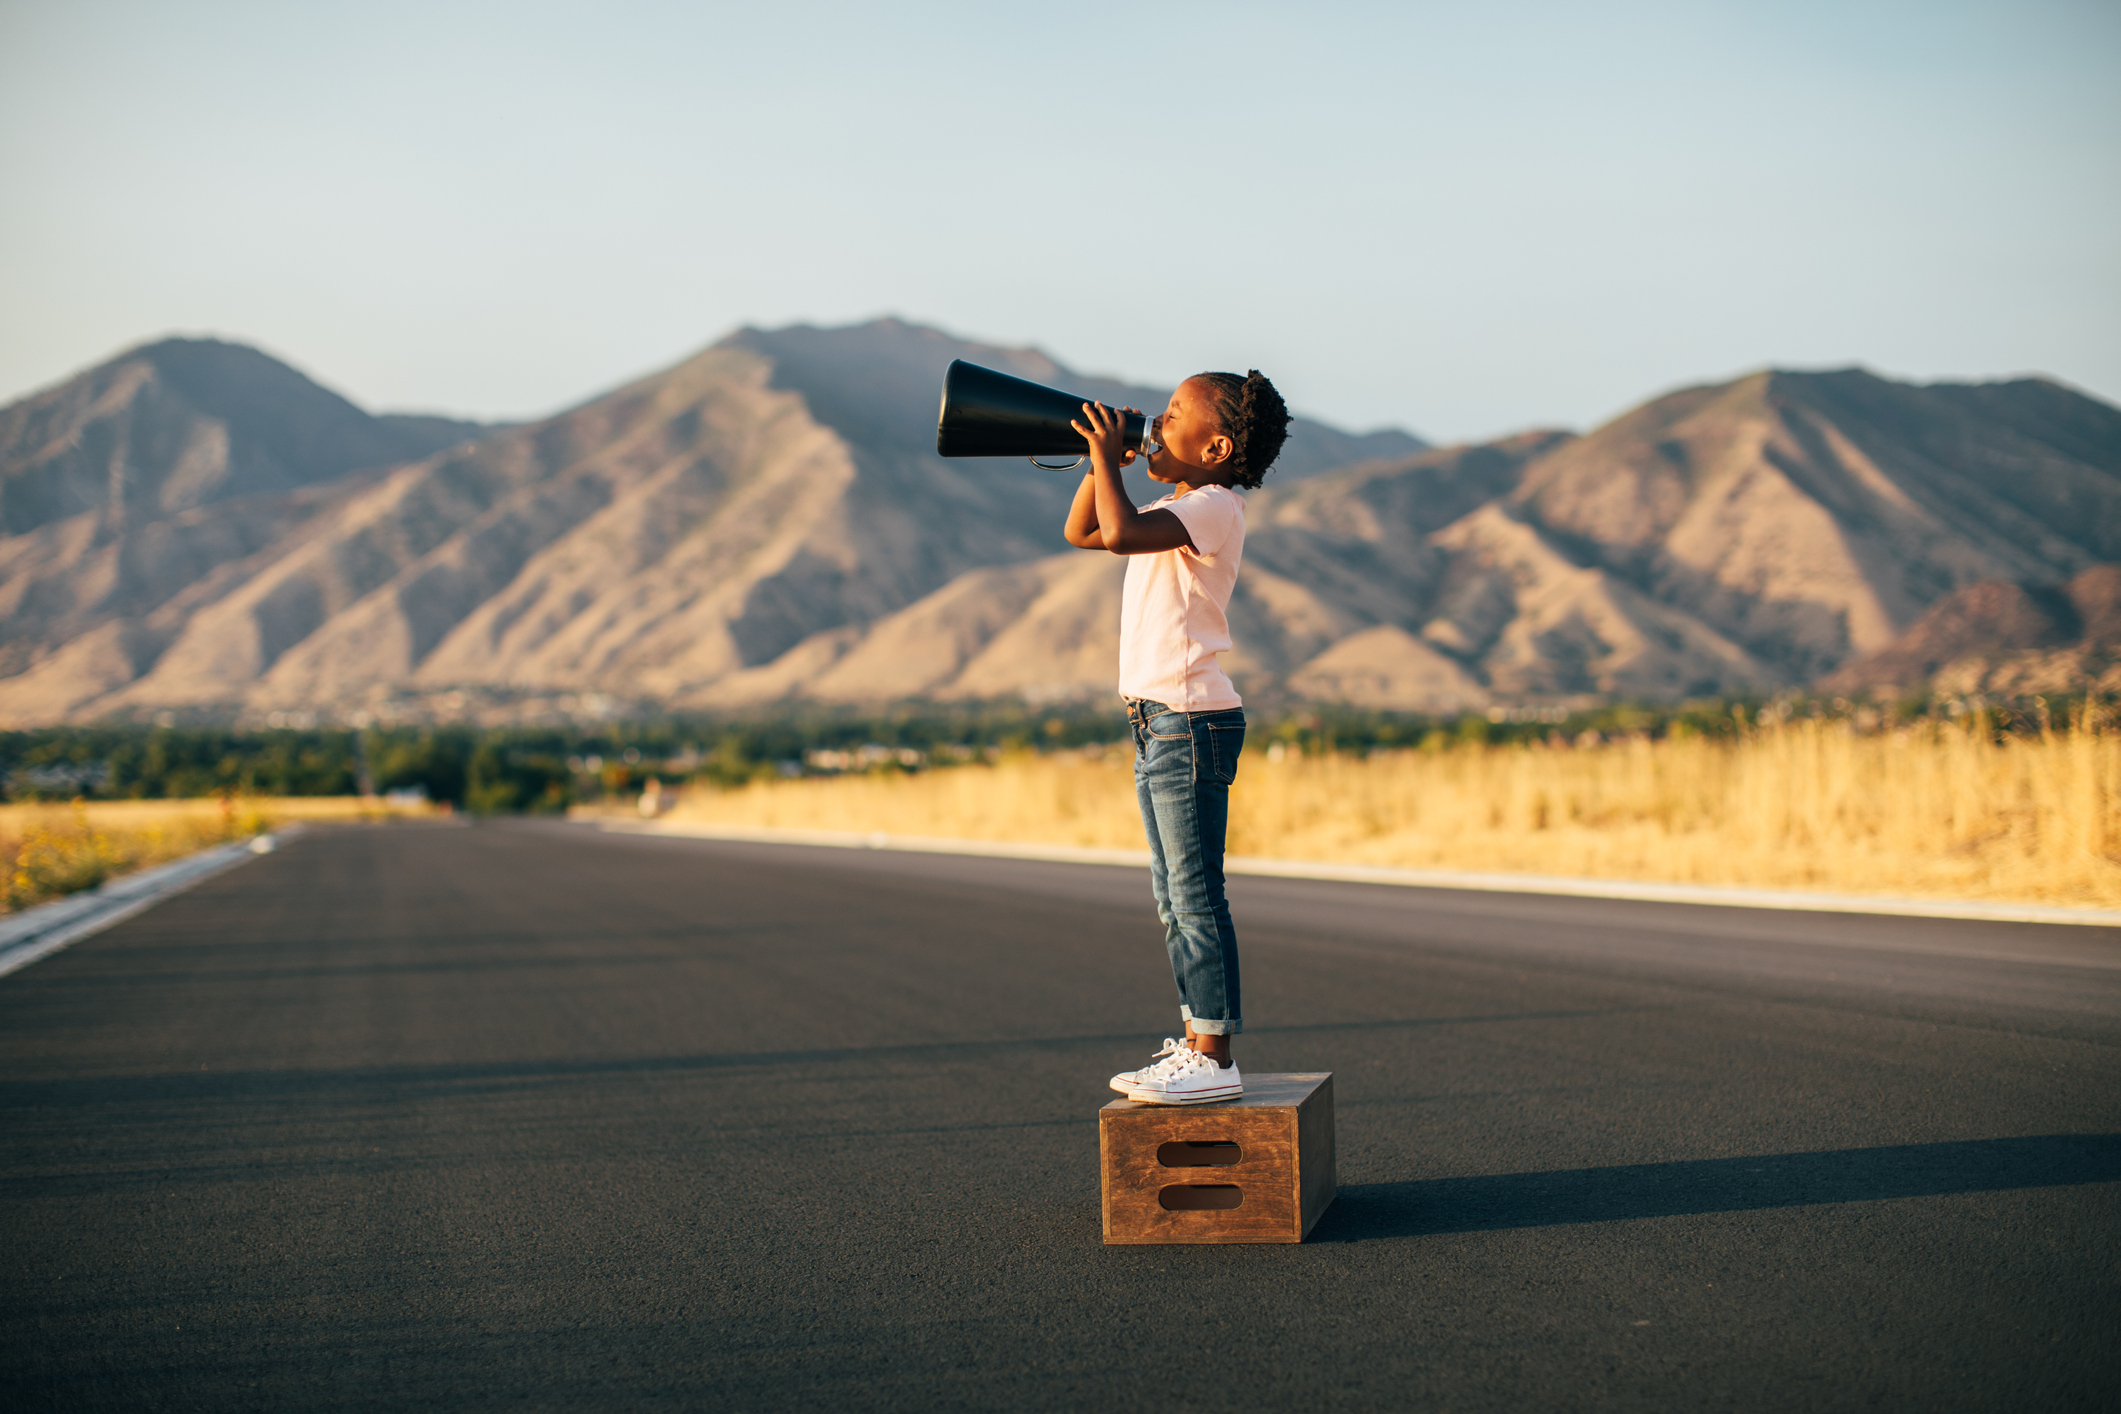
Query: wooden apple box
point(1255, 1169)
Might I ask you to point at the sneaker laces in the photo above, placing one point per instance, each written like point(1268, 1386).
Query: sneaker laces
point(1168, 1062)
point(1179, 1067)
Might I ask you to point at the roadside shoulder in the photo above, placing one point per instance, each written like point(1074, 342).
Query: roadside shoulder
point(40, 931)
point(1638, 890)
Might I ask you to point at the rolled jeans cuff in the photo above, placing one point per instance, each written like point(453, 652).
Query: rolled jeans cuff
point(1210, 1028)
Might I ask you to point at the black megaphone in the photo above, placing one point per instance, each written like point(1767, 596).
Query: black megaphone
point(989, 414)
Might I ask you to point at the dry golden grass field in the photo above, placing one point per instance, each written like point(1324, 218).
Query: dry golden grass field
point(1936, 810)
point(52, 850)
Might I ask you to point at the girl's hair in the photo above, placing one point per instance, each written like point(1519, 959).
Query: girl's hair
point(1254, 417)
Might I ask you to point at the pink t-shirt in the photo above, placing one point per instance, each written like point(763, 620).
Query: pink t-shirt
point(1173, 616)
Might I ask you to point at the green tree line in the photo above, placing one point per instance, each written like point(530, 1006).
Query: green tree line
point(497, 770)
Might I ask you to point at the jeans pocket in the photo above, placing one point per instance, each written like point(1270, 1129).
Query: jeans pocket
point(1168, 719)
point(1225, 745)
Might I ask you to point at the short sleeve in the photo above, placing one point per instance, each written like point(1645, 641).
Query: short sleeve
point(1212, 517)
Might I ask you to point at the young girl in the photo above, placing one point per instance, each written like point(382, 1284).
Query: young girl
point(1219, 431)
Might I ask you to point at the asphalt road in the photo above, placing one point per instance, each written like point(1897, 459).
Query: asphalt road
point(531, 1117)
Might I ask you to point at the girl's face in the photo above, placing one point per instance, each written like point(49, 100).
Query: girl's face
point(1195, 448)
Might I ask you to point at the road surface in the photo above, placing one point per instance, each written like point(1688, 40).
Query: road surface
point(528, 1116)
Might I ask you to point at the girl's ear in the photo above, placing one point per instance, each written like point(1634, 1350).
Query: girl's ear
point(1219, 450)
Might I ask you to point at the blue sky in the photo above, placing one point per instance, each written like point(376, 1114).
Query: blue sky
point(1461, 219)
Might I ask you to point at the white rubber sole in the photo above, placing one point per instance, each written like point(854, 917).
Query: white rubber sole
point(1157, 1097)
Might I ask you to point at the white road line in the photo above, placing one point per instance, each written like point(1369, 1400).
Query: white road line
point(43, 930)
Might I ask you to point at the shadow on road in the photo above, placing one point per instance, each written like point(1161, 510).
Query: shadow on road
point(1426, 1207)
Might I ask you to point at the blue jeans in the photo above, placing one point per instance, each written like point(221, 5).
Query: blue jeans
point(1183, 765)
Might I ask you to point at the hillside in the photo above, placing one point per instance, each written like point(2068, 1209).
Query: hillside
point(168, 466)
point(1810, 517)
point(2003, 638)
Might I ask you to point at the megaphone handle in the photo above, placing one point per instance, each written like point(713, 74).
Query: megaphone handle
point(1069, 467)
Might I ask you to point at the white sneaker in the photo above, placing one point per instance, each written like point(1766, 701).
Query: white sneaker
point(1194, 1079)
point(1173, 1054)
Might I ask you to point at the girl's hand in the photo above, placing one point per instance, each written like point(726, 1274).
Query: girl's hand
point(1106, 434)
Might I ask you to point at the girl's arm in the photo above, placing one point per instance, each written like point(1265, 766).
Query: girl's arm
point(1102, 517)
point(1081, 529)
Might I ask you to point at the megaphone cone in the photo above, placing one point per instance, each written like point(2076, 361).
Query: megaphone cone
point(989, 414)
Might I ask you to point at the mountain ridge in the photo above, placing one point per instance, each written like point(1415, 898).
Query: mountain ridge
point(766, 521)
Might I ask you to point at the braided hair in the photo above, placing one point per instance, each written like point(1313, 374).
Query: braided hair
point(1254, 418)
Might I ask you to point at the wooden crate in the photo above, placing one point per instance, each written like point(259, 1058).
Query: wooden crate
point(1255, 1169)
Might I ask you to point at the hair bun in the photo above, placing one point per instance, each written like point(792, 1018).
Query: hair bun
point(1253, 417)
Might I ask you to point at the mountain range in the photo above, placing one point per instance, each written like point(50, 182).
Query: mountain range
point(194, 527)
